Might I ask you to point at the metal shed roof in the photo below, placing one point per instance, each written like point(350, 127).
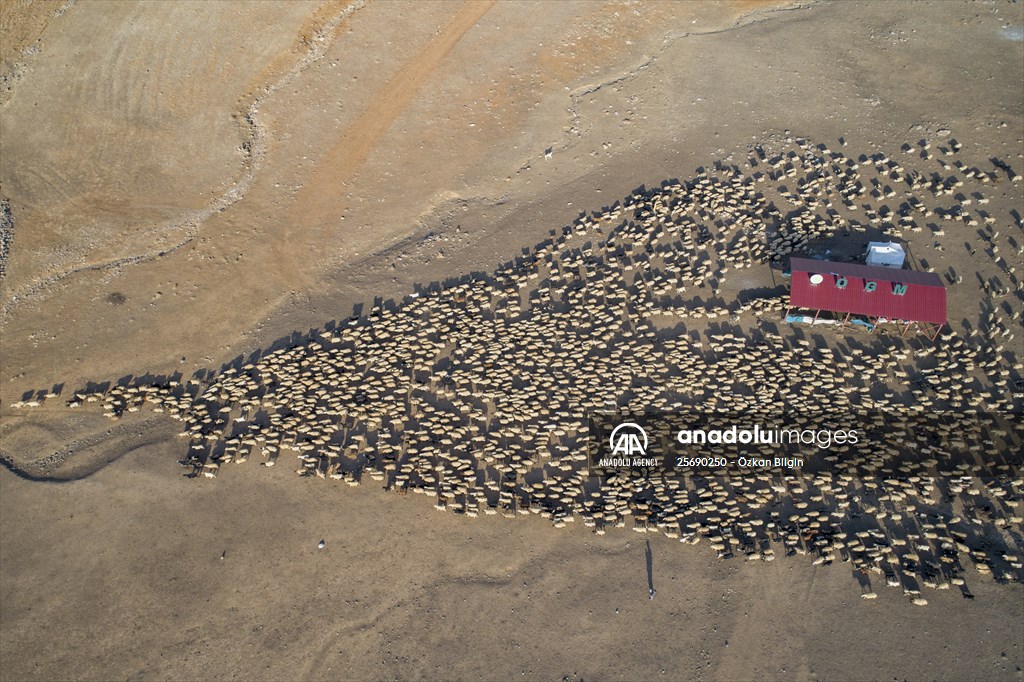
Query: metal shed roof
point(923, 300)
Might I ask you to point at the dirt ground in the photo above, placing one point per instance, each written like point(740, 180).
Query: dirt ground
point(120, 576)
point(191, 181)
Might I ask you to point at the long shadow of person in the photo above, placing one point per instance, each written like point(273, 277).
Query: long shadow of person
point(650, 572)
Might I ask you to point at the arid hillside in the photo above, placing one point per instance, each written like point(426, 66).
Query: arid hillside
point(187, 187)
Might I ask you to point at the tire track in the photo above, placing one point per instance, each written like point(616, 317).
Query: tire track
point(19, 45)
point(187, 225)
point(47, 469)
point(316, 202)
point(573, 133)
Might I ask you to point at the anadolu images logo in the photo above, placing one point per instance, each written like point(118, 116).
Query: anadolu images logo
point(628, 439)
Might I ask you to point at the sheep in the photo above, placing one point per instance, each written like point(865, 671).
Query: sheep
point(417, 396)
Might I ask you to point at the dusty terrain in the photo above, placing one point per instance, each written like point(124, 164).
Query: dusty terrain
point(190, 182)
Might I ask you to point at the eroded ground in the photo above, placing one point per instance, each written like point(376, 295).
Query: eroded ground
point(171, 209)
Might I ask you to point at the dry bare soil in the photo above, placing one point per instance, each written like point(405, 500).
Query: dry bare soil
point(186, 182)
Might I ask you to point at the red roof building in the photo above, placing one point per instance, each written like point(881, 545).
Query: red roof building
point(877, 293)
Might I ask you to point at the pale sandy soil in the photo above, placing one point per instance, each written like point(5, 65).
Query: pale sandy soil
point(240, 171)
point(120, 576)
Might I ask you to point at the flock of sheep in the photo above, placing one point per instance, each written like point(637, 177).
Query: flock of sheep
point(476, 394)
